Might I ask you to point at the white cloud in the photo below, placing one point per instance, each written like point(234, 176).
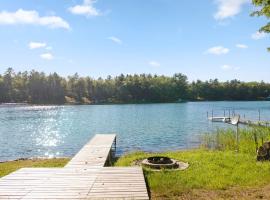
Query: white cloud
point(37, 45)
point(87, 9)
point(31, 17)
point(115, 39)
point(226, 67)
point(229, 67)
point(47, 56)
point(218, 50)
point(229, 8)
point(49, 48)
point(258, 35)
point(154, 63)
point(241, 46)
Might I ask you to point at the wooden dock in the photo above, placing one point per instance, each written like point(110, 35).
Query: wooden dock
point(255, 123)
point(229, 115)
point(241, 121)
point(219, 119)
point(84, 177)
point(95, 153)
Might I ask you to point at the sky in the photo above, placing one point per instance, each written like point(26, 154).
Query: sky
point(203, 39)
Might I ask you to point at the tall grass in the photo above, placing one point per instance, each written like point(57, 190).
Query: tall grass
point(226, 139)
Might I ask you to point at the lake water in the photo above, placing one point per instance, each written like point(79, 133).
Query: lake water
point(48, 131)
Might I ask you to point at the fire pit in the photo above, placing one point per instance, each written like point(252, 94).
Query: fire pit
point(162, 162)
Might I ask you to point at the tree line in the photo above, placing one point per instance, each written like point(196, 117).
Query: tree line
point(38, 88)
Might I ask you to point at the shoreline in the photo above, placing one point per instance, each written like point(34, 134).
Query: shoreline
point(33, 159)
point(135, 103)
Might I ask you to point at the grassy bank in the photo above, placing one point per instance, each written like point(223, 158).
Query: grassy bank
point(216, 170)
point(11, 166)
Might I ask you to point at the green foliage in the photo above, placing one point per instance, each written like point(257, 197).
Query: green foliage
point(263, 10)
point(38, 88)
point(11, 166)
point(229, 90)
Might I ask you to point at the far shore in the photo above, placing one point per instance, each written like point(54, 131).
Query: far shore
point(122, 103)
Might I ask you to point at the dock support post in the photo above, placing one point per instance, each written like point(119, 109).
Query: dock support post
point(113, 152)
point(237, 137)
point(115, 147)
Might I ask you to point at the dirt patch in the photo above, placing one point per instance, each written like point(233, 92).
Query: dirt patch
point(228, 194)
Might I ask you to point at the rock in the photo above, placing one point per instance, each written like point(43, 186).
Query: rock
point(263, 152)
point(266, 146)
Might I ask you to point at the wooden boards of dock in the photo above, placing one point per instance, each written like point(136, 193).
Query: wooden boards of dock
point(95, 153)
point(84, 177)
point(219, 119)
point(119, 183)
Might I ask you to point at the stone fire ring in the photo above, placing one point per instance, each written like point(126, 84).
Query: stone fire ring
point(174, 165)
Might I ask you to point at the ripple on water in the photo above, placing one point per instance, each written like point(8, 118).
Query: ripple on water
point(31, 131)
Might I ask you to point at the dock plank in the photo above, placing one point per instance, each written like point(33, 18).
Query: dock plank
point(119, 183)
point(84, 177)
point(95, 153)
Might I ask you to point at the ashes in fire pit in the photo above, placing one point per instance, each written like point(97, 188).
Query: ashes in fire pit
point(161, 162)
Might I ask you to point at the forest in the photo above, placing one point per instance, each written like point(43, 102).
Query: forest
point(39, 88)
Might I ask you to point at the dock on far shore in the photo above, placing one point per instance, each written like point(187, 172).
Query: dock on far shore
point(243, 121)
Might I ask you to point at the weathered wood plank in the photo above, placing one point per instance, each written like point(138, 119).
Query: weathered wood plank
point(84, 177)
point(113, 182)
point(94, 153)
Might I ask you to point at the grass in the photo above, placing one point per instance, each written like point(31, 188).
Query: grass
point(225, 139)
point(215, 166)
point(11, 166)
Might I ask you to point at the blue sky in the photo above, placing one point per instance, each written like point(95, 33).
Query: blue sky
point(206, 39)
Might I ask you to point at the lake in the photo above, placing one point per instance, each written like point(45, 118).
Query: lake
point(57, 131)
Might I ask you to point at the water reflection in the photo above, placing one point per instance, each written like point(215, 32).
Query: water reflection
point(38, 131)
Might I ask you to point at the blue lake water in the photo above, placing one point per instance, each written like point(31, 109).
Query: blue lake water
point(48, 131)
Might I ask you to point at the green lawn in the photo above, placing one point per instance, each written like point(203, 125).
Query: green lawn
point(207, 170)
point(220, 168)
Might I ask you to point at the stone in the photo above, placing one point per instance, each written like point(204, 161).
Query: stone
point(263, 152)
